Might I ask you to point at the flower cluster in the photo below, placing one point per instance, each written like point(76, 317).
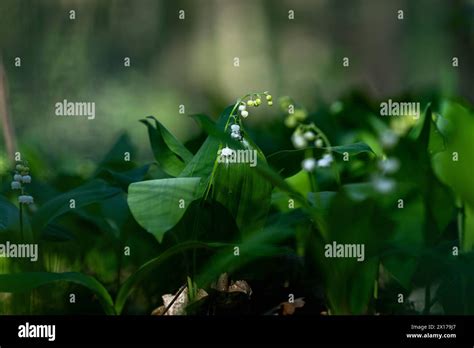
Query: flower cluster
point(241, 110)
point(20, 178)
point(254, 100)
point(308, 135)
point(302, 139)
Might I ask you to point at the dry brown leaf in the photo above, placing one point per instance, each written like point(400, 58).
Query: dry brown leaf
point(289, 308)
point(158, 311)
point(240, 286)
point(179, 305)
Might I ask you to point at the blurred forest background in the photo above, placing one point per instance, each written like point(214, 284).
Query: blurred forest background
point(191, 61)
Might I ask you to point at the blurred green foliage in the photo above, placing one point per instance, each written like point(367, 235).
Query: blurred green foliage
point(130, 205)
point(128, 241)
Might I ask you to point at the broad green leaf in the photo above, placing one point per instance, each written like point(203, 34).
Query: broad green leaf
point(56, 233)
point(158, 205)
point(467, 239)
point(124, 179)
point(353, 149)
point(408, 233)
point(321, 200)
point(202, 163)
point(416, 168)
point(238, 186)
point(89, 193)
point(170, 154)
point(23, 282)
point(243, 192)
point(173, 144)
point(349, 283)
point(114, 159)
point(421, 128)
point(456, 123)
point(437, 141)
point(276, 180)
point(300, 184)
point(456, 285)
point(205, 221)
point(287, 162)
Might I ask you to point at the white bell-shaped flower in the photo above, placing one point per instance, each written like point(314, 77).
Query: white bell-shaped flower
point(382, 184)
point(235, 136)
point(389, 165)
point(25, 199)
point(310, 136)
point(227, 152)
point(325, 161)
point(309, 164)
point(26, 179)
point(235, 128)
point(318, 143)
point(298, 141)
